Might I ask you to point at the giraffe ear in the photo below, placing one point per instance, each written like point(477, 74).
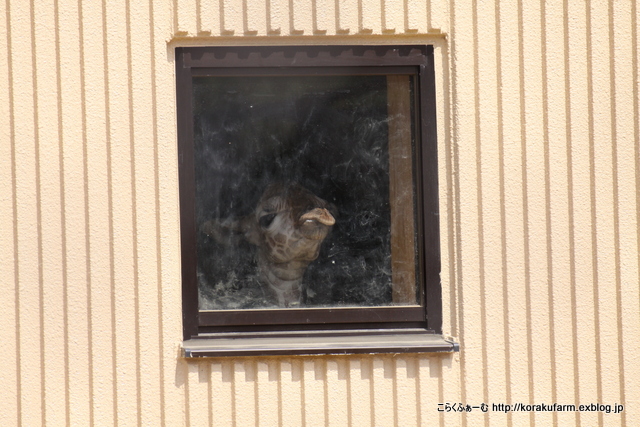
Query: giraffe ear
point(230, 232)
point(249, 229)
point(227, 232)
point(222, 231)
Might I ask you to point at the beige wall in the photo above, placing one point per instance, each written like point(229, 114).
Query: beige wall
point(539, 145)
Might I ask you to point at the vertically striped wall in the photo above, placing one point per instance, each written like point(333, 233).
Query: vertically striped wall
point(539, 152)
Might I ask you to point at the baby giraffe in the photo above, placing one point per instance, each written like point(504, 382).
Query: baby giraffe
point(287, 227)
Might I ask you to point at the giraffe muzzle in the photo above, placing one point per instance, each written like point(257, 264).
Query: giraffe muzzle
point(320, 215)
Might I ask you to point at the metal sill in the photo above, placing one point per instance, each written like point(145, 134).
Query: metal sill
point(352, 342)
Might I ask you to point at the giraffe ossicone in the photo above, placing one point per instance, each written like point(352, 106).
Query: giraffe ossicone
point(287, 227)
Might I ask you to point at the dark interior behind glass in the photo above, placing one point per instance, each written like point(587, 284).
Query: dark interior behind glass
point(348, 139)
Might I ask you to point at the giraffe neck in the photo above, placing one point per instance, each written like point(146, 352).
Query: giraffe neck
point(282, 282)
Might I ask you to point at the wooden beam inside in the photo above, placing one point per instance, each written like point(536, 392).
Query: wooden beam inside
point(401, 193)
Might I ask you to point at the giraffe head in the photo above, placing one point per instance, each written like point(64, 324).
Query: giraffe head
point(288, 227)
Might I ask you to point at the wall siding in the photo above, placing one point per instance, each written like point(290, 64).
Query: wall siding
point(539, 156)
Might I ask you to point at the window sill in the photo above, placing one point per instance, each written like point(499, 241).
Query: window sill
point(351, 342)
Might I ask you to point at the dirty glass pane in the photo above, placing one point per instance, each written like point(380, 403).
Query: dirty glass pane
point(305, 191)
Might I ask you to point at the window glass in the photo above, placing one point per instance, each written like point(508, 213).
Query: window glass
point(304, 190)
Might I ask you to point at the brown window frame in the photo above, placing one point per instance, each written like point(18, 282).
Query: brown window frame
point(315, 322)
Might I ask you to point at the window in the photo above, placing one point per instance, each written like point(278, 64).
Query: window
point(308, 193)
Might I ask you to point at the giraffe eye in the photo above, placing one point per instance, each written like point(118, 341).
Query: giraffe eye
point(266, 220)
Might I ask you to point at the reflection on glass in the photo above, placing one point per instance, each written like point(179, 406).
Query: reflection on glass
point(305, 191)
